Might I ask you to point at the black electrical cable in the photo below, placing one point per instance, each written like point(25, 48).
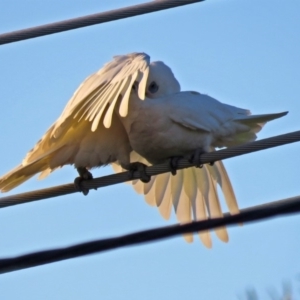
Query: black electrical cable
point(272, 209)
point(93, 19)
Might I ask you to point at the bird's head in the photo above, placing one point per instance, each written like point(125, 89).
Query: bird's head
point(161, 81)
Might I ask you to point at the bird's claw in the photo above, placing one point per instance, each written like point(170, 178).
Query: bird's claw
point(79, 187)
point(174, 164)
point(195, 158)
point(84, 174)
point(141, 168)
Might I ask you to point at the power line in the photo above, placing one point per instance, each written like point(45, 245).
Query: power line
point(272, 209)
point(93, 19)
point(153, 170)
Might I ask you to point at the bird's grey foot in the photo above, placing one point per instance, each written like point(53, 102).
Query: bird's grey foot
point(174, 164)
point(195, 158)
point(84, 174)
point(141, 168)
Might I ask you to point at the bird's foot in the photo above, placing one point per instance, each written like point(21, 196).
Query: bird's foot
point(84, 174)
point(174, 164)
point(195, 158)
point(141, 168)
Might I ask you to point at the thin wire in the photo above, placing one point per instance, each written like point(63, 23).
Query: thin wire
point(153, 170)
point(272, 209)
point(93, 19)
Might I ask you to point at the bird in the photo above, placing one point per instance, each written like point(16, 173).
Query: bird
point(91, 133)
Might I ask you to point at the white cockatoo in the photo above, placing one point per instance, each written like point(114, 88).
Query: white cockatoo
point(89, 133)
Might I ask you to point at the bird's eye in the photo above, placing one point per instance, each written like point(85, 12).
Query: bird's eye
point(153, 87)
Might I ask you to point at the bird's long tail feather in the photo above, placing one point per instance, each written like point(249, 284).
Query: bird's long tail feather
point(22, 173)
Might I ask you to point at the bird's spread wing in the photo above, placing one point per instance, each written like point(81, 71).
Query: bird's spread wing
point(94, 102)
point(96, 97)
point(192, 193)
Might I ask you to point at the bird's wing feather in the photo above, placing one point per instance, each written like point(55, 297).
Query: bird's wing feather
point(102, 90)
point(188, 123)
point(199, 112)
point(191, 190)
point(220, 176)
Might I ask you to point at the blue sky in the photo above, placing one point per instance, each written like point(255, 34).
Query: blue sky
point(244, 53)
